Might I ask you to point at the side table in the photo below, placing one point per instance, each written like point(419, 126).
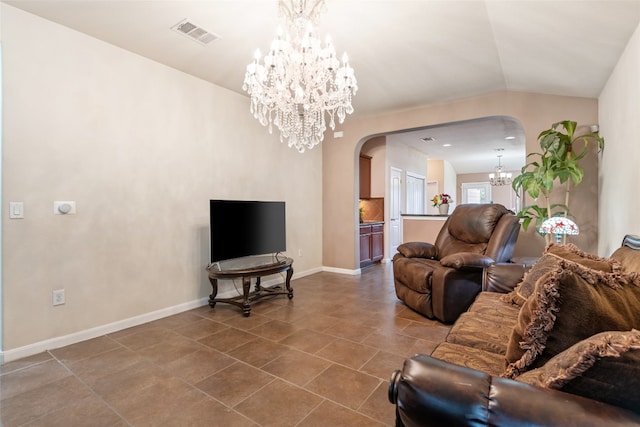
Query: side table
point(246, 268)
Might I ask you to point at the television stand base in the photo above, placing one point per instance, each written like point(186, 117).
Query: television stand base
point(248, 297)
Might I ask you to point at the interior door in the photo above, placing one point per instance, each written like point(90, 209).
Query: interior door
point(395, 221)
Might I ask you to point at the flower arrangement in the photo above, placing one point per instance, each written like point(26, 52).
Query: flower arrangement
point(441, 199)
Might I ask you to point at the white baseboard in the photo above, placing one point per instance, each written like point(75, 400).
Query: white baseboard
point(76, 337)
point(355, 272)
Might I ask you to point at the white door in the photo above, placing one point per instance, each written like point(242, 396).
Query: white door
point(395, 221)
point(415, 194)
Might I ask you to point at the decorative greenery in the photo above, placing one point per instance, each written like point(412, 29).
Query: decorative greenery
point(441, 199)
point(558, 162)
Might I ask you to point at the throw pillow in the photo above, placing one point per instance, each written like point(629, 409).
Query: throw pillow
point(570, 303)
point(605, 367)
point(552, 255)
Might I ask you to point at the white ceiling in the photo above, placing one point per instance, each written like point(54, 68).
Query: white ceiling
point(405, 53)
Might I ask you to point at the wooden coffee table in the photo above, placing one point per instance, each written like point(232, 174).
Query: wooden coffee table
point(247, 268)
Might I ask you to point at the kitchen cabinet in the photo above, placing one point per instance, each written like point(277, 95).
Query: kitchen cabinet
point(371, 243)
point(365, 176)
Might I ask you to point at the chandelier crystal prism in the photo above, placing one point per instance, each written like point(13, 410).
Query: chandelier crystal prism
point(300, 83)
point(499, 177)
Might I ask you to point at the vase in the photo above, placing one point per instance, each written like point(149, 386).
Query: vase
point(444, 209)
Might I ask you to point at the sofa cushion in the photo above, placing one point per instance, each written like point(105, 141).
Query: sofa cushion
point(488, 333)
point(604, 367)
point(470, 357)
point(569, 304)
point(552, 255)
point(489, 304)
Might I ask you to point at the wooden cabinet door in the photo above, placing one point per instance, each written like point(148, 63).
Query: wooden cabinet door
point(365, 249)
point(377, 246)
point(365, 177)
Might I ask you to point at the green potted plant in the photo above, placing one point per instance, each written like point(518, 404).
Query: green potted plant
point(557, 163)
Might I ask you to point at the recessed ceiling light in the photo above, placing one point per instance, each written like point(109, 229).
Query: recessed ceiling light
point(510, 137)
point(446, 145)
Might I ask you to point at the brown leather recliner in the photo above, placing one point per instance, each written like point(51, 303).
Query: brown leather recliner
point(441, 280)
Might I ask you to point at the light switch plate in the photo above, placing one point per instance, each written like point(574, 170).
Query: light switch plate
point(16, 210)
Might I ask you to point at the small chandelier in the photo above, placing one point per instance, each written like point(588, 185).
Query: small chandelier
point(499, 177)
point(300, 80)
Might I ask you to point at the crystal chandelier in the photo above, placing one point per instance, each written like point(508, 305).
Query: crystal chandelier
point(300, 80)
point(499, 177)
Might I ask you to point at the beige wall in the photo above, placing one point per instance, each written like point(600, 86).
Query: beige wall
point(536, 112)
point(619, 173)
point(141, 148)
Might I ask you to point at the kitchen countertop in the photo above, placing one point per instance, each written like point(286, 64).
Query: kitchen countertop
point(371, 222)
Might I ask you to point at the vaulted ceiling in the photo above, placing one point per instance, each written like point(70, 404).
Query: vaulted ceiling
point(405, 53)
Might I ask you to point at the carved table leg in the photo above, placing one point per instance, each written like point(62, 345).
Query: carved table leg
point(246, 288)
point(288, 282)
point(214, 286)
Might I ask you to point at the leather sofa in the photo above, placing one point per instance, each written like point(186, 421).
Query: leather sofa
point(463, 381)
point(441, 279)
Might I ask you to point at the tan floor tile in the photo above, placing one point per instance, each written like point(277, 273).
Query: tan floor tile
point(177, 320)
point(30, 378)
point(378, 407)
point(173, 348)
point(156, 402)
point(434, 331)
point(200, 364)
point(246, 323)
point(278, 404)
point(259, 352)
point(347, 353)
point(203, 412)
point(92, 368)
point(235, 383)
point(90, 411)
point(201, 329)
point(145, 337)
point(84, 349)
point(349, 330)
point(307, 340)
point(25, 362)
point(31, 405)
point(297, 367)
point(275, 330)
point(227, 339)
point(331, 414)
point(383, 364)
point(394, 343)
point(347, 386)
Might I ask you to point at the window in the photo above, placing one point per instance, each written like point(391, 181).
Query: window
point(476, 192)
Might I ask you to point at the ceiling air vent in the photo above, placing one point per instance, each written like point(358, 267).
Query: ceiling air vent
point(428, 139)
point(194, 32)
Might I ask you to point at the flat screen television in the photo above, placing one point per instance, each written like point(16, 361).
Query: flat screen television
point(240, 228)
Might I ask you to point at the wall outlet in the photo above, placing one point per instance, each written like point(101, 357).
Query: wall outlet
point(58, 297)
point(299, 252)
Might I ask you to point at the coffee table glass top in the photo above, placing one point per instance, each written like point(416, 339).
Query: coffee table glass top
point(250, 262)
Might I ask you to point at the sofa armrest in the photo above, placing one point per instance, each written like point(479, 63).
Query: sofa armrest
point(502, 276)
point(431, 392)
point(417, 250)
point(463, 260)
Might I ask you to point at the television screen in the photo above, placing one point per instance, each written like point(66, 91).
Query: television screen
point(241, 228)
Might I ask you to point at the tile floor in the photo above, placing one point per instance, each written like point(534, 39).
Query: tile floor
point(321, 359)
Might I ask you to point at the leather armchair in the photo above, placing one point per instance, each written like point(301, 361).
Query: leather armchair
point(431, 392)
point(440, 280)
